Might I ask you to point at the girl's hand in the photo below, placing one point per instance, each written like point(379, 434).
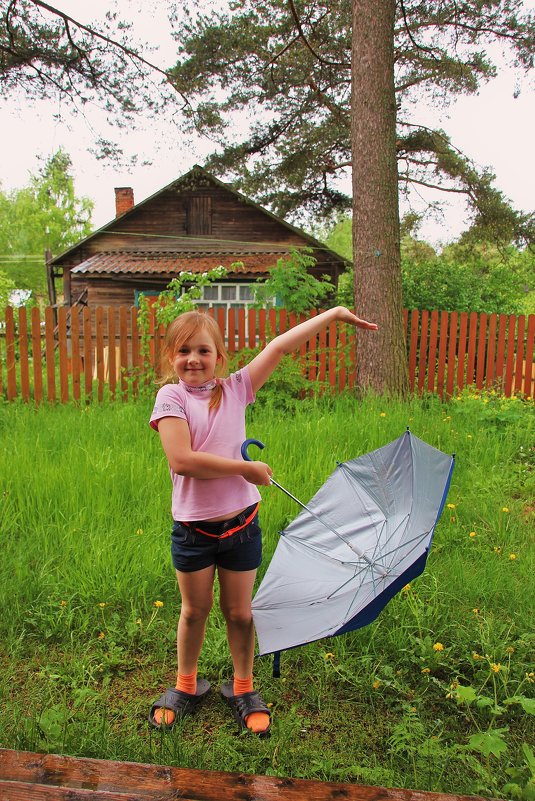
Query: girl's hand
point(345, 316)
point(257, 473)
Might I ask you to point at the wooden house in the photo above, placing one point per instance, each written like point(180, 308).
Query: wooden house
point(194, 224)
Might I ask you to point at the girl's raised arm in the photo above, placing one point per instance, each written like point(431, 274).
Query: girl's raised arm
point(261, 367)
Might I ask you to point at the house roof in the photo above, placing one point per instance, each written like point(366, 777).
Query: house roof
point(142, 263)
point(183, 181)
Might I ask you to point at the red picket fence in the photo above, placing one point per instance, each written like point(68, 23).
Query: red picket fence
point(79, 353)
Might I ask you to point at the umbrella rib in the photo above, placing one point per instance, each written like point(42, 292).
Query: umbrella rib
point(417, 539)
point(324, 523)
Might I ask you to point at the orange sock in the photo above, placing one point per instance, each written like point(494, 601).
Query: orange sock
point(256, 721)
point(187, 683)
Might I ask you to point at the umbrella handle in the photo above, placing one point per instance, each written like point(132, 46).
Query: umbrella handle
point(246, 444)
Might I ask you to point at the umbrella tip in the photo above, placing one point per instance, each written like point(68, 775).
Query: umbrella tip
point(408, 429)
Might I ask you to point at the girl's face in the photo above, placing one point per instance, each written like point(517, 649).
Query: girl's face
point(196, 360)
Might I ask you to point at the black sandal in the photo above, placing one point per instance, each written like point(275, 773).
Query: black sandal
point(243, 705)
point(179, 702)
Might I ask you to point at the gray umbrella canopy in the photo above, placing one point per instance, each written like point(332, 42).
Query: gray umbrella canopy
point(362, 537)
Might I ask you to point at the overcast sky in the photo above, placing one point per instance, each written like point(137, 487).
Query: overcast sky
point(495, 129)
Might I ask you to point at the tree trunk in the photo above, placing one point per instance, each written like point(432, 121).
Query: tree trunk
point(381, 356)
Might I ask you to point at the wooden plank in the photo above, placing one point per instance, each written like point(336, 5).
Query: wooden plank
point(63, 356)
point(23, 354)
point(37, 356)
point(322, 356)
point(50, 354)
point(413, 349)
point(433, 334)
point(500, 349)
point(89, 780)
point(136, 364)
point(452, 351)
point(510, 359)
point(123, 351)
point(342, 358)
point(262, 317)
point(529, 372)
point(491, 352)
point(422, 361)
point(251, 327)
point(231, 331)
point(241, 329)
point(481, 349)
point(461, 350)
point(11, 361)
point(519, 362)
point(442, 350)
point(88, 354)
point(112, 360)
point(75, 352)
point(99, 352)
point(472, 341)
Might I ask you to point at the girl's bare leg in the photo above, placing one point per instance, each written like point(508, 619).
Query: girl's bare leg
point(236, 590)
point(196, 591)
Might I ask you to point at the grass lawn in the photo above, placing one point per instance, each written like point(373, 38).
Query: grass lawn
point(437, 694)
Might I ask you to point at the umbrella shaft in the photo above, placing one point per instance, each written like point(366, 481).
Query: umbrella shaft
point(304, 506)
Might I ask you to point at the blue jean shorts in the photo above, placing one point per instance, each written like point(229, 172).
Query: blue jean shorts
point(192, 550)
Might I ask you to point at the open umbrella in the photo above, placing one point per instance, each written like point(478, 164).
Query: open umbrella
point(364, 535)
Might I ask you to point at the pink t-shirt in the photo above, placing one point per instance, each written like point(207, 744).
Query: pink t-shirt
point(219, 431)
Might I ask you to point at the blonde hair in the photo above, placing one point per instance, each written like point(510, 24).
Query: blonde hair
point(178, 332)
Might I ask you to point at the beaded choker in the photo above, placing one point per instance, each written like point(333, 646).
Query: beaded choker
point(206, 387)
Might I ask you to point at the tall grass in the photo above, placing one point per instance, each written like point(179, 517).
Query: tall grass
point(436, 694)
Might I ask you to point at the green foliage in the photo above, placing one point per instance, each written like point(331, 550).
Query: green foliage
point(293, 286)
point(44, 215)
point(289, 67)
point(469, 275)
point(7, 285)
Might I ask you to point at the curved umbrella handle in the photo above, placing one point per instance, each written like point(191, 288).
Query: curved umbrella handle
point(246, 444)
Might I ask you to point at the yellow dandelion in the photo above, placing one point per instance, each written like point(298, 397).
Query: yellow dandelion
point(454, 684)
point(426, 670)
point(505, 509)
point(376, 684)
point(438, 646)
point(495, 667)
point(475, 656)
point(476, 610)
point(451, 505)
point(328, 656)
point(63, 603)
point(472, 534)
point(269, 705)
point(101, 635)
point(469, 436)
point(383, 414)
point(512, 556)
point(158, 604)
point(102, 604)
point(139, 531)
point(509, 649)
point(449, 695)
point(530, 677)
point(496, 549)
point(406, 588)
point(138, 621)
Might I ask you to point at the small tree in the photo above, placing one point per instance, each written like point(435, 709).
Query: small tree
point(292, 285)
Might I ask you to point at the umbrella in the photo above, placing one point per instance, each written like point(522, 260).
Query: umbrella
point(364, 535)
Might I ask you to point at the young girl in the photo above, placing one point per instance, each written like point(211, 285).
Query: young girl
point(201, 422)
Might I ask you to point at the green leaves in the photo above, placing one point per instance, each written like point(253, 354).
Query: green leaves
point(489, 743)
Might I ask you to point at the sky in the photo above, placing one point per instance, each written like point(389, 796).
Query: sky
point(494, 128)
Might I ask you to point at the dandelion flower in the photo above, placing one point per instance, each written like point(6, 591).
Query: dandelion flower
point(476, 610)
point(451, 505)
point(472, 534)
point(328, 656)
point(138, 621)
point(509, 649)
point(496, 549)
point(530, 677)
point(383, 414)
point(139, 531)
point(376, 684)
point(406, 588)
point(505, 509)
point(495, 667)
point(475, 656)
point(438, 646)
point(63, 603)
point(101, 635)
point(158, 604)
point(512, 556)
point(102, 604)
point(426, 670)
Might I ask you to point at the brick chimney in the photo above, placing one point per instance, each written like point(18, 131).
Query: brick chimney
point(124, 199)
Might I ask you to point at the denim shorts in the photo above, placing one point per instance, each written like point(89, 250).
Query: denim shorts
point(191, 550)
